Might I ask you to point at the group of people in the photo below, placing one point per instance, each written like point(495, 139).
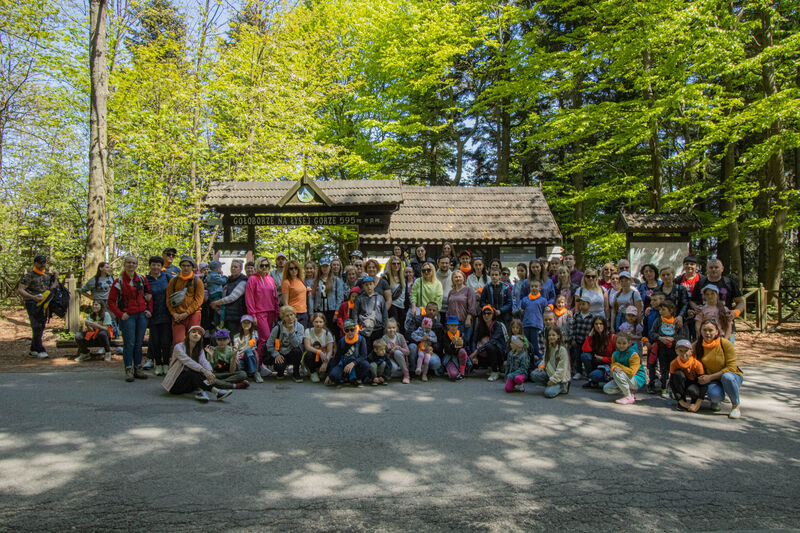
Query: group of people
point(416, 317)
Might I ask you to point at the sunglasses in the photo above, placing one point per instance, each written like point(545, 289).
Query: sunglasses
point(487, 312)
point(349, 330)
point(427, 270)
point(170, 255)
point(293, 268)
point(590, 277)
point(263, 265)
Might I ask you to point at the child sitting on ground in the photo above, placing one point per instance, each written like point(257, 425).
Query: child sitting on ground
point(663, 334)
point(379, 366)
point(454, 355)
point(224, 363)
point(425, 338)
point(516, 365)
point(245, 346)
point(397, 347)
point(555, 372)
point(350, 363)
point(683, 373)
point(627, 372)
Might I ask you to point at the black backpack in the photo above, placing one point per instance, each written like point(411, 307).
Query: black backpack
point(58, 301)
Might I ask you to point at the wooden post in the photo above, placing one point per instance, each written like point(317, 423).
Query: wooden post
point(73, 318)
point(762, 308)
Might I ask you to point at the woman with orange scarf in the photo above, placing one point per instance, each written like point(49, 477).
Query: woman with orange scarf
point(184, 300)
point(723, 376)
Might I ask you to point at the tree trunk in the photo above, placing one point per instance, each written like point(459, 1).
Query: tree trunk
point(98, 138)
point(729, 206)
point(762, 211)
point(776, 175)
point(656, 170)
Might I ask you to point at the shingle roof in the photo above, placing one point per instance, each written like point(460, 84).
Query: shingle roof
point(265, 194)
point(658, 222)
point(470, 215)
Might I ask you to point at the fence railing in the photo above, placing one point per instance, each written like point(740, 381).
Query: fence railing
point(757, 303)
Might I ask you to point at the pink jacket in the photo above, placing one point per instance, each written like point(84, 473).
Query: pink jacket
point(261, 295)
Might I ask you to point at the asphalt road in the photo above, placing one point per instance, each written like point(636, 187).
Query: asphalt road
point(86, 451)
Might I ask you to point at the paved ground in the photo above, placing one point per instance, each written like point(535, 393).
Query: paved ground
point(86, 451)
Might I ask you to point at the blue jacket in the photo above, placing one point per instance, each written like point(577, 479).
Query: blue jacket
point(158, 287)
point(532, 311)
point(517, 364)
point(489, 297)
point(548, 290)
point(360, 354)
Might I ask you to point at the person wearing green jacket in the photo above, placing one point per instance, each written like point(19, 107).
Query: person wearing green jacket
point(426, 289)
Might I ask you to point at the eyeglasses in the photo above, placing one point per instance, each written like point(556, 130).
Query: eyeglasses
point(487, 312)
point(263, 265)
point(170, 255)
point(349, 330)
point(590, 277)
point(293, 268)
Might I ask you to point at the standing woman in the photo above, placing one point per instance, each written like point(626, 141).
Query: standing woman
point(522, 277)
point(448, 251)
point(293, 292)
point(372, 267)
point(597, 295)
point(98, 286)
point(651, 283)
point(723, 376)
point(564, 287)
point(310, 281)
point(336, 267)
point(189, 370)
point(461, 303)
point(328, 292)
point(606, 273)
point(478, 279)
point(131, 302)
point(419, 259)
point(625, 297)
point(393, 274)
point(676, 293)
point(408, 274)
point(261, 297)
point(159, 346)
point(465, 263)
point(426, 289)
point(184, 300)
point(490, 343)
point(537, 270)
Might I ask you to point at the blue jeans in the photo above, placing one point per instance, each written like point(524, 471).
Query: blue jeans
point(250, 362)
point(541, 378)
point(532, 334)
point(729, 385)
point(133, 331)
point(587, 360)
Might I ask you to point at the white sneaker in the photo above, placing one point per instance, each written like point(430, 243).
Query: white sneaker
point(265, 372)
point(201, 397)
point(735, 413)
point(519, 388)
point(101, 351)
point(257, 378)
point(576, 376)
point(107, 357)
point(221, 395)
point(715, 406)
point(493, 376)
point(314, 377)
point(43, 355)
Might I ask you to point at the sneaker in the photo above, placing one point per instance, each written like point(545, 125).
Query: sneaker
point(101, 351)
point(298, 379)
point(627, 400)
point(107, 357)
point(129, 374)
point(406, 380)
point(33, 354)
point(314, 377)
point(43, 355)
point(201, 397)
point(221, 395)
point(519, 388)
point(424, 377)
point(418, 372)
point(665, 394)
point(84, 357)
point(161, 370)
point(257, 378)
point(459, 377)
point(577, 375)
point(715, 406)
point(735, 413)
point(650, 388)
point(493, 376)
point(657, 384)
point(264, 372)
point(148, 365)
point(243, 385)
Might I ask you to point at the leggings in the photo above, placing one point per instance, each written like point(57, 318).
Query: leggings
point(519, 379)
point(401, 361)
point(453, 371)
point(101, 339)
point(189, 381)
point(491, 357)
point(159, 345)
point(423, 360)
point(682, 387)
point(291, 358)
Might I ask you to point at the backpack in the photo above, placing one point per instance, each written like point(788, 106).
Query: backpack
point(138, 282)
point(58, 301)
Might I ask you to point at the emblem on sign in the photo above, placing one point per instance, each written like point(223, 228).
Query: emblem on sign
point(305, 194)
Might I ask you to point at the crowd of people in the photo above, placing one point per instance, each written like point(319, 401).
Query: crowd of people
point(414, 318)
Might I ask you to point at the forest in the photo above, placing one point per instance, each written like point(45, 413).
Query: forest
point(647, 106)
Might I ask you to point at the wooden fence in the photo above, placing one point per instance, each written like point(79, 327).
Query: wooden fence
point(759, 316)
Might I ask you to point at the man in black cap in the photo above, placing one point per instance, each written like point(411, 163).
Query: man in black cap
point(31, 288)
point(169, 256)
point(690, 276)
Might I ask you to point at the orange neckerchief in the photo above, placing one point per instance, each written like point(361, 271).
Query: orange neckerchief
point(455, 335)
point(668, 320)
point(466, 270)
point(187, 278)
point(348, 341)
point(560, 311)
point(531, 297)
point(712, 344)
point(40, 272)
point(350, 304)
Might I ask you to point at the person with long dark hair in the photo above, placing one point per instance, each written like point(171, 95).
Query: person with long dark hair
point(490, 343)
point(97, 287)
point(598, 348)
point(190, 371)
point(723, 376)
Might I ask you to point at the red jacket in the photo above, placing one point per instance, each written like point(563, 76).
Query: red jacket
point(609, 351)
point(133, 300)
point(343, 314)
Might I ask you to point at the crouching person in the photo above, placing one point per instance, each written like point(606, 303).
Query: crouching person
point(350, 363)
point(285, 344)
point(225, 364)
point(189, 371)
point(380, 367)
point(554, 371)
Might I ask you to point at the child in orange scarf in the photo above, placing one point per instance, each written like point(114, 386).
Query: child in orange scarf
point(684, 371)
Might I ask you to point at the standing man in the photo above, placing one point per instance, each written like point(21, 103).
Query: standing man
point(575, 275)
point(690, 276)
point(729, 292)
point(233, 298)
point(168, 255)
point(30, 288)
point(444, 275)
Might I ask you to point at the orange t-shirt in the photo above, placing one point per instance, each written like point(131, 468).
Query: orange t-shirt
point(296, 290)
